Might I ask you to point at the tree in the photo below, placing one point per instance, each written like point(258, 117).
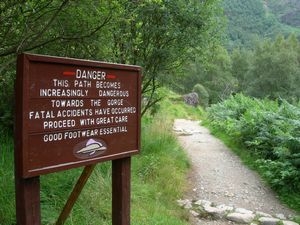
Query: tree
point(159, 35)
point(30, 25)
point(275, 72)
point(162, 35)
point(217, 77)
point(241, 63)
point(202, 94)
point(63, 28)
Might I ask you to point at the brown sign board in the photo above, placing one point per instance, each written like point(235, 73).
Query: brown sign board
point(71, 113)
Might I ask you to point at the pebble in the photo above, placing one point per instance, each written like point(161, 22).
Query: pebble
point(268, 221)
point(240, 218)
point(218, 213)
point(280, 216)
point(225, 207)
point(183, 202)
point(177, 129)
point(227, 194)
point(194, 213)
point(188, 205)
point(203, 203)
point(185, 134)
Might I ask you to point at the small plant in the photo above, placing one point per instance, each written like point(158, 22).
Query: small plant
point(202, 94)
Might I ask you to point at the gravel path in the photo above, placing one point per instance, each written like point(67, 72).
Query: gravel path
point(219, 176)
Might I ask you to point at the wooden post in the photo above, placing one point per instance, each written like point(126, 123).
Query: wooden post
point(28, 201)
point(75, 194)
point(121, 191)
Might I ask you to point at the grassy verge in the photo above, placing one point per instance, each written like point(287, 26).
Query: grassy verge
point(291, 199)
point(173, 107)
point(7, 194)
point(158, 180)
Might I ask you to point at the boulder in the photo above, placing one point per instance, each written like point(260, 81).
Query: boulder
point(186, 203)
point(215, 212)
point(240, 217)
point(287, 222)
point(268, 221)
point(194, 213)
point(191, 99)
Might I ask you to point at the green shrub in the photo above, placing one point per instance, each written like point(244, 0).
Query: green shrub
point(280, 173)
point(202, 94)
point(270, 130)
point(6, 102)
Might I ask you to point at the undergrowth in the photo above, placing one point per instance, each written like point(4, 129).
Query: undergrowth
point(265, 134)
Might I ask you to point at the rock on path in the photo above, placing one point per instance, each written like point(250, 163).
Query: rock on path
point(219, 176)
point(222, 214)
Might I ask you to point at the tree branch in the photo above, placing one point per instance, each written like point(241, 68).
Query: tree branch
point(150, 102)
point(13, 49)
point(46, 27)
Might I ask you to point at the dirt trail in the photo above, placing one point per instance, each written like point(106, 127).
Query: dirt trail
point(219, 176)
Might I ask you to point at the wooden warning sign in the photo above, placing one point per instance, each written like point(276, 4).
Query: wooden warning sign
point(71, 113)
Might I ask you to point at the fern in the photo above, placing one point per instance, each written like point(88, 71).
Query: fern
point(268, 129)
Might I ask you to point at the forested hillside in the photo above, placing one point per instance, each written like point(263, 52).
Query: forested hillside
point(249, 20)
point(287, 11)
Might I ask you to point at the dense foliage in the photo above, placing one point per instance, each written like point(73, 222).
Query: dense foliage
point(288, 11)
point(158, 35)
point(246, 21)
point(275, 69)
point(214, 75)
point(270, 130)
point(271, 69)
point(202, 94)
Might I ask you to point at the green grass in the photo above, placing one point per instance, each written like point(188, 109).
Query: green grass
point(158, 180)
point(172, 106)
point(7, 190)
point(159, 176)
point(290, 199)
